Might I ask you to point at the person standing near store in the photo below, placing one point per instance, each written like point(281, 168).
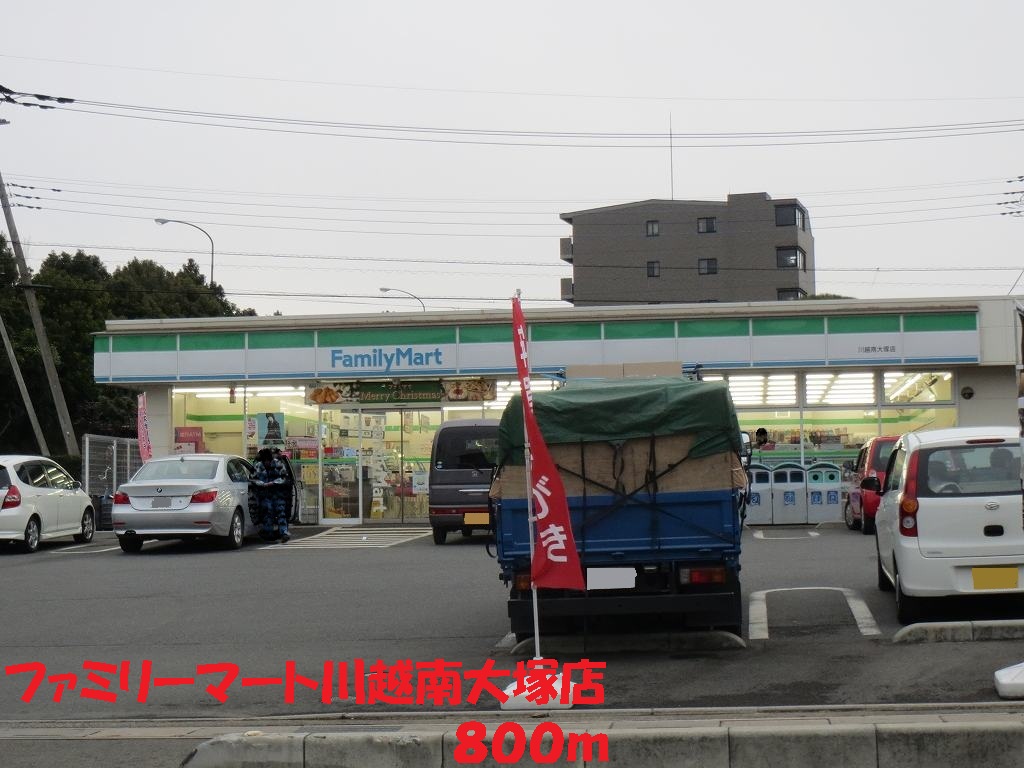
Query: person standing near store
point(273, 485)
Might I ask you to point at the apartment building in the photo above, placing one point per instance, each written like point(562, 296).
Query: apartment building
point(748, 248)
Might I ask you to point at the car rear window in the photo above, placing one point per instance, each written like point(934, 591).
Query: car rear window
point(882, 452)
point(176, 469)
point(5, 479)
point(970, 470)
point(466, 448)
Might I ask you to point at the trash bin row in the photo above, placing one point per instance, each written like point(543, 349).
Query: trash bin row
point(790, 493)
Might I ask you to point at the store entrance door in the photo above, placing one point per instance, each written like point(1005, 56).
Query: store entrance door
point(376, 463)
point(400, 490)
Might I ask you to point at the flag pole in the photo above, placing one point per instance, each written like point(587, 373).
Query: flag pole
point(528, 455)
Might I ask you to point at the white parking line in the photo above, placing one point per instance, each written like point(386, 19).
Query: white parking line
point(760, 535)
point(757, 613)
point(68, 551)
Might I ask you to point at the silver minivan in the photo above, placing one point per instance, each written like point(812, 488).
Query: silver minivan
point(462, 461)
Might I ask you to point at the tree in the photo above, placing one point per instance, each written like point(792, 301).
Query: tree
point(77, 295)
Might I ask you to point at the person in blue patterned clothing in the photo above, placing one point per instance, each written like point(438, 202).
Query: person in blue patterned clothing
point(272, 486)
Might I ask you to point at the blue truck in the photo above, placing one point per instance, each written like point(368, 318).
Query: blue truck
point(656, 489)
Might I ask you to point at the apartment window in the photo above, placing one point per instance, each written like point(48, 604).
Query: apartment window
point(791, 294)
point(707, 225)
point(790, 258)
point(654, 269)
point(790, 216)
point(652, 228)
point(707, 266)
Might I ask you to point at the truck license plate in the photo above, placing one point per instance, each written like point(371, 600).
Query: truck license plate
point(611, 578)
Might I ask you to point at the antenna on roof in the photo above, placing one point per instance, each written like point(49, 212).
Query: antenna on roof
point(671, 162)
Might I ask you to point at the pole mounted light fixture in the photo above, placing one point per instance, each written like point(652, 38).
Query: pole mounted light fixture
point(194, 226)
point(413, 295)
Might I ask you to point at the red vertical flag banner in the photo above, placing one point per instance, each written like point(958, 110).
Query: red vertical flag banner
point(556, 563)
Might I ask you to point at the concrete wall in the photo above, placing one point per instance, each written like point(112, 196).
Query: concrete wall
point(994, 399)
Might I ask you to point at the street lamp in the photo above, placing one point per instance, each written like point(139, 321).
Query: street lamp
point(190, 224)
point(385, 290)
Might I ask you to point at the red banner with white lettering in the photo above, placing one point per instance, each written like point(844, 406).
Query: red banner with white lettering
point(556, 563)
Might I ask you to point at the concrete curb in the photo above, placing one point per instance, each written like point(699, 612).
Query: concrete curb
point(993, 744)
point(574, 644)
point(961, 631)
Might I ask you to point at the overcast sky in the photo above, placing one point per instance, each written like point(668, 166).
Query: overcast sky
point(431, 147)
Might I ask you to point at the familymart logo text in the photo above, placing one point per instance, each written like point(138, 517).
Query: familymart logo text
point(384, 360)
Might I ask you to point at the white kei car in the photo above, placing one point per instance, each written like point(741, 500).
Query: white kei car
point(949, 520)
point(41, 501)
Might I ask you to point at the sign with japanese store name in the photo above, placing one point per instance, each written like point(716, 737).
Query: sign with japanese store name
point(436, 391)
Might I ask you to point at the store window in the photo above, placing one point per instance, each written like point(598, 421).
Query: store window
point(918, 386)
point(840, 388)
point(759, 389)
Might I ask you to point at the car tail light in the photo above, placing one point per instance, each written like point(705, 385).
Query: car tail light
point(204, 497)
point(908, 501)
point(121, 498)
point(13, 498)
point(702, 575)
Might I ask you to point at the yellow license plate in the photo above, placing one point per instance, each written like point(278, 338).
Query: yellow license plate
point(476, 518)
point(995, 578)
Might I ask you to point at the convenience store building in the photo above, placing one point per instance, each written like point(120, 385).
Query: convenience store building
point(357, 398)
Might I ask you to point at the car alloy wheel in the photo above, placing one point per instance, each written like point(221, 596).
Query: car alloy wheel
point(88, 528)
point(236, 532)
point(31, 541)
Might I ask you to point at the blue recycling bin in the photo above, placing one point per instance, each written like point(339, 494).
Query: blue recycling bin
point(824, 493)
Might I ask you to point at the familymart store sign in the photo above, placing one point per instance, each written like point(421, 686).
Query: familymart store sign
point(367, 353)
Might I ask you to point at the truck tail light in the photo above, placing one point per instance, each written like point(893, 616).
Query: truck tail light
point(523, 582)
point(12, 498)
point(702, 575)
point(908, 500)
point(204, 497)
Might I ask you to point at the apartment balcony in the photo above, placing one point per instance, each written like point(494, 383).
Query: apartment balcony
point(565, 249)
point(567, 292)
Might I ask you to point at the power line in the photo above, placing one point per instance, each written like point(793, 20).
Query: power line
point(540, 94)
point(657, 141)
point(404, 260)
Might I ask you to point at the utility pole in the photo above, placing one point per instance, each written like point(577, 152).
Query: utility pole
point(70, 441)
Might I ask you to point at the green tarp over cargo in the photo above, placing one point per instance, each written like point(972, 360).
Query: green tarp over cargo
point(620, 409)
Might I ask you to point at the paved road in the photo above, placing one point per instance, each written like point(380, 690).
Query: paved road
point(824, 629)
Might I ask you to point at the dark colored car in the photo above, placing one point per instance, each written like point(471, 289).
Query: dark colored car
point(462, 461)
